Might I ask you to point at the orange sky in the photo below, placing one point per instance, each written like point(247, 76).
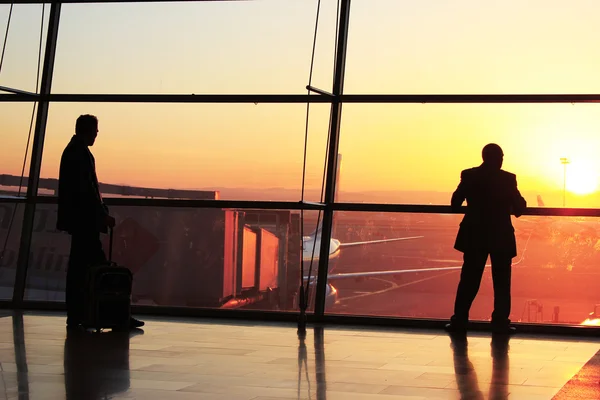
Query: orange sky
point(424, 47)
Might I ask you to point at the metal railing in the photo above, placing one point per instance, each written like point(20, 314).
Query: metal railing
point(307, 205)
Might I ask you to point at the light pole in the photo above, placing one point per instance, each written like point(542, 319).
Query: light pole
point(564, 161)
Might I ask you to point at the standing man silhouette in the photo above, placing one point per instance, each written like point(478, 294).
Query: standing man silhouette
point(492, 197)
point(83, 214)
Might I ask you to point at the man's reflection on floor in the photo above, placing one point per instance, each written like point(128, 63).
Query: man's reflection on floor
point(96, 364)
point(500, 367)
point(319, 365)
point(466, 377)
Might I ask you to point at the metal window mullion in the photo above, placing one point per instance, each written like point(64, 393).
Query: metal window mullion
point(189, 98)
point(334, 136)
point(36, 156)
point(303, 99)
point(489, 98)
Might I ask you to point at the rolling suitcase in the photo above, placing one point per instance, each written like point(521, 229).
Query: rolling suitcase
point(107, 295)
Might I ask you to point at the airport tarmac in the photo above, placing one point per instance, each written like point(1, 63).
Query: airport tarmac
point(555, 267)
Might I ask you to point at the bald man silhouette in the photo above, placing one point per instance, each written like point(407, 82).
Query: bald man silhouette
point(492, 197)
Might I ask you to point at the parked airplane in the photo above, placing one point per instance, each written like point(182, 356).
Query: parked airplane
point(311, 246)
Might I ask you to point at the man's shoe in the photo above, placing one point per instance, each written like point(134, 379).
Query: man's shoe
point(132, 325)
point(74, 327)
point(135, 323)
point(455, 328)
point(504, 330)
point(73, 323)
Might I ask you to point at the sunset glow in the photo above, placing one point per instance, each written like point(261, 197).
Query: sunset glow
point(582, 178)
point(396, 153)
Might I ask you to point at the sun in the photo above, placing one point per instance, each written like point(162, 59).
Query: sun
point(581, 179)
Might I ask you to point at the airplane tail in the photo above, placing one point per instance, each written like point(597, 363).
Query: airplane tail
point(540, 202)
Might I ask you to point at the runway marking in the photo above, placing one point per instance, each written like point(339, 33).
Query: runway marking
point(396, 286)
point(393, 287)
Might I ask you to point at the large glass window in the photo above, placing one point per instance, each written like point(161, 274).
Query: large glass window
point(11, 221)
point(388, 153)
point(469, 46)
point(193, 47)
point(15, 122)
point(554, 275)
point(414, 153)
point(186, 257)
point(241, 151)
point(20, 63)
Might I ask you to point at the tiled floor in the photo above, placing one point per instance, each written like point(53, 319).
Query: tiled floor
point(198, 359)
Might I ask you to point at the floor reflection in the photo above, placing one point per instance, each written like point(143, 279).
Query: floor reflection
point(303, 368)
point(20, 356)
point(96, 364)
point(191, 359)
point(320, 363)
point(466, 376)
point(500, 367)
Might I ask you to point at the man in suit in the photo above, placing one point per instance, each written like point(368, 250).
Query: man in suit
point(492, 197)
point(83, 214)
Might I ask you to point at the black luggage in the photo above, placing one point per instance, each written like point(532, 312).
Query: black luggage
point(107, 295)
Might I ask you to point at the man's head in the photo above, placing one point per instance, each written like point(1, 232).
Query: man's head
point(86, 128)
point(492, 156)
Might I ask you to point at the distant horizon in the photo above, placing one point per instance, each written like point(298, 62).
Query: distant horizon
point(392, 152)
point(424, 197)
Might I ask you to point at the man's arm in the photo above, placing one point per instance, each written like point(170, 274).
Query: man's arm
point(459, 194)
point(89, 194)
point(519, 204)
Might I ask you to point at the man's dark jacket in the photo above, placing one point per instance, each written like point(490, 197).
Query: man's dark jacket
point(492, 196)
point(80, 205)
